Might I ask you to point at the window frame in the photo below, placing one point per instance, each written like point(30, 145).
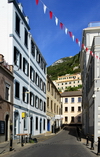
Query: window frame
point(26, 37)
point(7, 92)
point(66, 99)
point(25, 67)
point(72, 100)
point(17, 24)
point(25, 94)
point(17, 87)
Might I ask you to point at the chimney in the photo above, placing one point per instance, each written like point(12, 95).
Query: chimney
point(20, 7)
point(1, 58)
point(27, 19)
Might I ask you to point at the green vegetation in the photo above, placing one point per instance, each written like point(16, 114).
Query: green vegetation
point(73, 88)
point(66, 67)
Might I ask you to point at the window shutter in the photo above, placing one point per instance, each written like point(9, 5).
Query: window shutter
point(14, 54)
point(27, 69)
point(20, 61)
point(24, 64)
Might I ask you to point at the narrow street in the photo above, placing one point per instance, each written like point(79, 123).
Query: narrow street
point(64, 144)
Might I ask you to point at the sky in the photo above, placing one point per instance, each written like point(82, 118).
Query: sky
point(51, 40)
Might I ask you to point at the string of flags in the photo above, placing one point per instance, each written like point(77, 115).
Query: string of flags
point(66, 30)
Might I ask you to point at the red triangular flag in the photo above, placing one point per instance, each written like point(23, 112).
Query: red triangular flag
point(37, 1)
point(91, 52)
point(50, 13)
point(61, 25)
point(86, 49)
point(76, 40)
point(82, 46)
point(70, 33)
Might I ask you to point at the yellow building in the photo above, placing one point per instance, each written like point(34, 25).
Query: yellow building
point(68, 80)
point(72, 109)
point(54, 109)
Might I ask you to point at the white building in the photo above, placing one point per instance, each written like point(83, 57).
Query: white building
point(90, 71)
point(72, 109)
point(68, 80)
point(20, 50)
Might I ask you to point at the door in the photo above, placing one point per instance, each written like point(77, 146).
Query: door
point(6, 128)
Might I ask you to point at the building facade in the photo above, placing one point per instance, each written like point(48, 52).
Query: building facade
point(6, 100)
point(68, 80)
point(54, 107)
point(20, 50)
point(90, 72)
point(72, 109)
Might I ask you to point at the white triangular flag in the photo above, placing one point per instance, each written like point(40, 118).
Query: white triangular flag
point(44, 8)
point(79, 43)
point(56, 20)
point(73, 37)
point(66, 30)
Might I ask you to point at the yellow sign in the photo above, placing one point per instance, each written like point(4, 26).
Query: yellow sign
point(23, 114)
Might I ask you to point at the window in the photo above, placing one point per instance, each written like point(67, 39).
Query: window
point(32, 74)
point(51, 106)
point(44, 107)
point(52, 90)
point(47, 102)
point(66, 100)
point(66, 109)
point(7, 92)
point(41, 84)
point(72, 109)
point(72, 119)
point(66, 119)
point(25, 95)
point(25, 67)
point(72, 100)
point(79, 109)
point(17, 58)
point(25, 123)
point(17, 89)
point(17, 24)
point(44, 124)
point(42, 63)
point(79, 118)
point(44, 87)
point(26, 38)
point(31, 99)
point(32, 48)
point(38, 57)
point(55, 107)
point(36, 102)
point(36, 123)
point(41, 105)
point(79, 99)
point(48, 86)
point(37, 80)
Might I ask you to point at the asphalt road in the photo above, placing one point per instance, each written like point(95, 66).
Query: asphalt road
point(64, 144)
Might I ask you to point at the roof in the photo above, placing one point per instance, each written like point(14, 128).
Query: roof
point(71, 93)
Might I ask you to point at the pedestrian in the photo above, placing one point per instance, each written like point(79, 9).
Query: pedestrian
point(78, 134)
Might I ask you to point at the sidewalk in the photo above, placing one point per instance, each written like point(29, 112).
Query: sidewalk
point(5, 146)
point(95, 145)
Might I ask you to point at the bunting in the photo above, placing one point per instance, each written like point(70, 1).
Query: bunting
point(37, 1)
point(50, 13)
point(44, 8)
point(61, 25)
point(65, 29)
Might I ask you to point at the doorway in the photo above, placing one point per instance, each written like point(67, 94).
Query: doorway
point(40, 126)
point(31, 125)
point(6, 127)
